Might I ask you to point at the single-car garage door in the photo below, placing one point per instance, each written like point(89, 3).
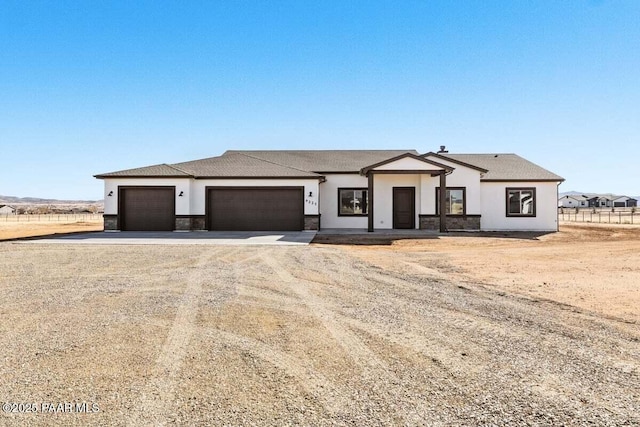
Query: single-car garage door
point(255, 208)
point(147, 208)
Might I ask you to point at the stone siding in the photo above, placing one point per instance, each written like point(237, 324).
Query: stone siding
point(110, 222)
point(182, 224)
point(454, 222)
point(190, 223)
point(312, 222)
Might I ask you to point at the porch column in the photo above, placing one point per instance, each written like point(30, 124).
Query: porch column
point(370, 211)
point(443, 201)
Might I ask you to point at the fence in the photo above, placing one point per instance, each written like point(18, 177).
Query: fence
point(604, 217)
point(51, 218)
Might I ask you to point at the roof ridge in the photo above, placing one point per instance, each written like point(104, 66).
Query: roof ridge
point(340, 149)
point(273, 163)
point(177, 168)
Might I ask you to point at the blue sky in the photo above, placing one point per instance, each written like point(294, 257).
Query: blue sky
point(89, 87)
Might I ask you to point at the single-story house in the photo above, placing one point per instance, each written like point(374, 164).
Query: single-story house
point(608, 201)
point(357, 189)
point(573, 201)
point(7, 210)
point(624, 202)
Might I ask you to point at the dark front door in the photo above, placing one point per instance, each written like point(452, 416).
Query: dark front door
point(256, 208)
point(404, 207)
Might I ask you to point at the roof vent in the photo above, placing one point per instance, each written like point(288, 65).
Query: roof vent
point(443, 149)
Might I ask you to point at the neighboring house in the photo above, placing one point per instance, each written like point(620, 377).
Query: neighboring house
point(358, 189)
point(597, 201)
point(7, 210)
point(625, 202)
point(573, 201)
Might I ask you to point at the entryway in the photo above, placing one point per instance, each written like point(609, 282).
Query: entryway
point(404, 207)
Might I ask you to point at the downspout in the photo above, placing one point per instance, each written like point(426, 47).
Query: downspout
point(557, 210)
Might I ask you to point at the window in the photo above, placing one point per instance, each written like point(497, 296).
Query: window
point(353, 202)
point(455, 201)
point(521, 202)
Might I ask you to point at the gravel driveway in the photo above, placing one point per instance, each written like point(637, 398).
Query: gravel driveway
point(207, 335)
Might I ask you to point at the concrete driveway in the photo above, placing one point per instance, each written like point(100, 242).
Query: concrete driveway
point(282, 238)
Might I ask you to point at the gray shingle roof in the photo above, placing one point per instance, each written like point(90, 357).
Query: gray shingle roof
point(312, 163)
point(324, 160)
point(241, 165)
point(147, 171)
point(506, 167)
point(576, 197)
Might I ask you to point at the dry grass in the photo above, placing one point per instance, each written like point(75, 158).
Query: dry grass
point(14, 230)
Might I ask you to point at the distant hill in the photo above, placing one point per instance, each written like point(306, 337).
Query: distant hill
point(37, 201)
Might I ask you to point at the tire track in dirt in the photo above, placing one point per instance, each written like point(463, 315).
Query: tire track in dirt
point(372, 366)
point(156, 398)
point(330, 397)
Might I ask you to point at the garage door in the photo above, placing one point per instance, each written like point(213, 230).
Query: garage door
point(256, 208)
point(147, 209)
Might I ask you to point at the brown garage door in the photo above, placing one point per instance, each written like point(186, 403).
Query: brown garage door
point(256, 208)
point(147, 208)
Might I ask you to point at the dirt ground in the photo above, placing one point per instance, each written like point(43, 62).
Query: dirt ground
point(310, 335)
point(14, 230)
point(595, 267)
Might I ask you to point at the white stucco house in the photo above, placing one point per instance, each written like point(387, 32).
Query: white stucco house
point(7, 210)
point(573, 201)
point(593, 200)
point(313, 189)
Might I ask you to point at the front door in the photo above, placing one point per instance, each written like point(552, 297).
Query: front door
point(404, 207)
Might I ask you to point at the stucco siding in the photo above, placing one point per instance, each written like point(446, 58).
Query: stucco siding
point(181, 185)
point(329, 201)
point(494, 215)
point(463, 176)
point(407, 163)
point(383, 197)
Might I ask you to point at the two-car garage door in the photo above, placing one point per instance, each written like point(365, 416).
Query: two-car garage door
point(255, 208)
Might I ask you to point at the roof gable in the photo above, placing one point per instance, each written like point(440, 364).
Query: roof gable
point(458, 162)
point(406, 161)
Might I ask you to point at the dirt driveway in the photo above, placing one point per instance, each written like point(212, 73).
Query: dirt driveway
point(592, 267)
point(194, 335)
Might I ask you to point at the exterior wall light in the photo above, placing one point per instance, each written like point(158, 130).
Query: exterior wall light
point(181, 194)
point(110, 194)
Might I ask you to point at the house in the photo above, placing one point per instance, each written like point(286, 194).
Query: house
point(358, 189)
point(597, 201)
point(573, 201)
point(7, 210)
point(624, 202)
